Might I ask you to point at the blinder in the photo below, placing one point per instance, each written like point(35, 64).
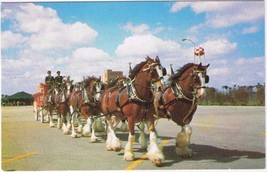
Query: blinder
point(207, 79)
point(164, 71)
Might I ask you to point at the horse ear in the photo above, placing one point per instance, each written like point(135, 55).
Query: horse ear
point(157, 59)
point(200, 64)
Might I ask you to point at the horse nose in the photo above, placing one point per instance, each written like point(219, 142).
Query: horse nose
point(202, 94)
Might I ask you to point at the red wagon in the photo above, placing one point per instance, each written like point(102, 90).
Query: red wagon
point(39, 99)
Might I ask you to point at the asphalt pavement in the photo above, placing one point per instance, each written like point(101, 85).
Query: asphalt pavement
point(223, 138)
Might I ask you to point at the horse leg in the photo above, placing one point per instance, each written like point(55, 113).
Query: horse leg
point(73, 116)
point(51, 123)
point(93, 136)
point(80, 126)
point(142, 137)
point(154, 153)
point(59, 120)
point(65, 122)
point(68, 120)
point(87, 127)
point(112, 142)
point(128, 150)
point(182, 141)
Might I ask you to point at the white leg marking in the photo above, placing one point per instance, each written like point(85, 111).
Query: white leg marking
point(182, 141)
point(112, 143)
point(154, 153)
point(128, 150)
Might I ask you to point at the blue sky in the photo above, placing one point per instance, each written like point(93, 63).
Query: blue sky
point(86, 38)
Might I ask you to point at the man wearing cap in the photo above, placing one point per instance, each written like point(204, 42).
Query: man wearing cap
point(49, 80)
point(58, 79)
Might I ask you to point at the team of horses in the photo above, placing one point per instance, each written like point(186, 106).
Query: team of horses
point(141, 98)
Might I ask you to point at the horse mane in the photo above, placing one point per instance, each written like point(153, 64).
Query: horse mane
point(112, 82)
point(136, 69)
point(180, 71)
point(88, 80)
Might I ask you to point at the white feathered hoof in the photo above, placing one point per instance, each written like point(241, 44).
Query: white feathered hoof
point(66, 132)
point(75, 135)
point(65, 129)
point(116, 144)
point(109, 148)
point(156, 157)
point(51, 125)
point(184, 152)
point(128, 156)
point(158, 162)
point(85, 134)
point(93, 139)
point(80, 129)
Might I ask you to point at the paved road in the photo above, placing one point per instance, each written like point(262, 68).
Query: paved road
point(223, 138)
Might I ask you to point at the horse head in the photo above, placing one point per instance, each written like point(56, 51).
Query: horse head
point(156, 72)
point(93, 87)
point(68, 87)
point(192, 78)
point(199, 79)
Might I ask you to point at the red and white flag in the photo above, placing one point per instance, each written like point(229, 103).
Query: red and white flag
point(199, 51)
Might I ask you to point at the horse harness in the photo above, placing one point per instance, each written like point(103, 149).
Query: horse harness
point(133, 97)
point(179, 95)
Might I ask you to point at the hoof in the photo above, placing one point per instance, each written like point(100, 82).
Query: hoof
point(93, 140)
point(158, 162)
point(65, 132)
point(51, 125)
point(184, 152)
point(128, 156)
point(75, 135)
point(109, 148)
point(79, 129)
point(117, 149)
point(85, 134)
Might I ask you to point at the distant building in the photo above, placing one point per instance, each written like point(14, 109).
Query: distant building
point(110, 74)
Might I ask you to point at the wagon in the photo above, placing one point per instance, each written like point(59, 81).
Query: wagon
point(38, 103)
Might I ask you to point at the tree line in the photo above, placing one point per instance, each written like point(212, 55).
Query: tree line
point(235, 96)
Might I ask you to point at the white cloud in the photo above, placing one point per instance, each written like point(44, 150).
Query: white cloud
point(179, 6)
point(11, 40)
point(46, 31)
point(142, 45)
point(218, 47)
point(224, 14)
point(139, 29)
point(143, 28)
point(241, 71)
point(252, 29)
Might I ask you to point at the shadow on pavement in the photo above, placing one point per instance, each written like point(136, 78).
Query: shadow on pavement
point(206, 152)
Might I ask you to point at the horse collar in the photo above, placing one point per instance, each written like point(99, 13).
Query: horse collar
point(133, 94)
point(178, 93)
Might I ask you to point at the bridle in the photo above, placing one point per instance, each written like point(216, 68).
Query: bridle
point(151, 67)
point(179, 93)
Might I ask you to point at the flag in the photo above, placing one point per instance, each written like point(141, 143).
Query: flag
point(199, 51)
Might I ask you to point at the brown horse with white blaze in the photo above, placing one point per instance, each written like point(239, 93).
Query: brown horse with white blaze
point(179, 101)
point(134, 103)
point(85, 102)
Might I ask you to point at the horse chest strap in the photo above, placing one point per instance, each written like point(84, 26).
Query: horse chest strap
point(117, 101)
